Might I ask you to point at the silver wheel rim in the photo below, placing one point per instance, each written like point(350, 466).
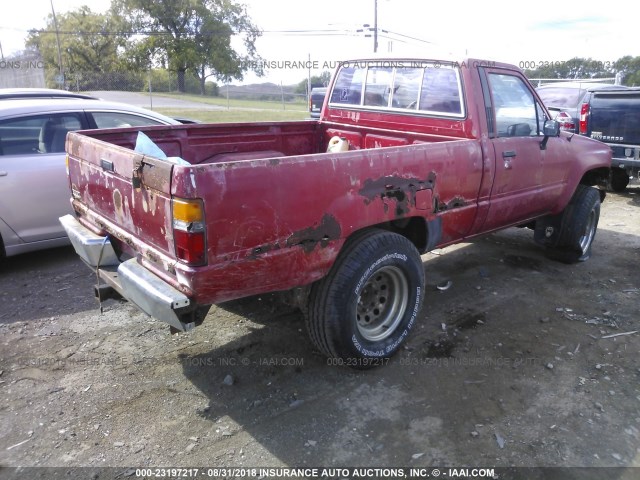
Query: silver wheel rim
point(589, 232)
point(382, 303)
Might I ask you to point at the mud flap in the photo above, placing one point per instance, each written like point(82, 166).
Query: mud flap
point(547, 230)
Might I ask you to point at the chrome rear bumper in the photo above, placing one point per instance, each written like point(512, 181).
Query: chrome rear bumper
point(149, 293)
point(92, 248)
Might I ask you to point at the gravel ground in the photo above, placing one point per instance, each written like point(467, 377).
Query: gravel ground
point(521, 362)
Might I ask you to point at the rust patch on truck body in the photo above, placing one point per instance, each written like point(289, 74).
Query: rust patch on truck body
point(328, 229)
point(402, 190)
point(263, 250)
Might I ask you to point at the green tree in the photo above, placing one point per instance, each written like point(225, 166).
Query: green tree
point(321, 80)
point(629, 67)
point(577, 68)
point(193, 36)
point(89, 42)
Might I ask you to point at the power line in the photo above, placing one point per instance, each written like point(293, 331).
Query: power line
point(293, 32)
point(206, 32)
point(409, 37)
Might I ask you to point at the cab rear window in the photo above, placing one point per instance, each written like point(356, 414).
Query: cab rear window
point(434, 90)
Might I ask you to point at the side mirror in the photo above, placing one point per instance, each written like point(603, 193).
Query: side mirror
point(551, 129)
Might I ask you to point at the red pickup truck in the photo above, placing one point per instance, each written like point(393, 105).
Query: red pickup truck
point(408, 155)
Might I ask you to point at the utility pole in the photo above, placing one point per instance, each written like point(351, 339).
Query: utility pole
point(55, 24)
point(375, 26)
point(367, 27)
point(309, 81)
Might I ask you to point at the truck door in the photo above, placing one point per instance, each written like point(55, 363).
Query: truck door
point(527, 179)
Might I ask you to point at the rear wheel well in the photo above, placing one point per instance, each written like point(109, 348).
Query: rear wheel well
point(3, 253)
point(414, 229)
point(596, 177)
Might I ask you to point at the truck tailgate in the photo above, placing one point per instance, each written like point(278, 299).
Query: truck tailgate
point(122, 192)
point(615, 117)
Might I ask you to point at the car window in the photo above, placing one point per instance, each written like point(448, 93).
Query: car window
point(121, 120)
point(516, 111)
point(430, 90)
point(406, 88)
point(440, 91)
point(37, 133)
point(561, 96)
point(378, 87)
point(348, 87)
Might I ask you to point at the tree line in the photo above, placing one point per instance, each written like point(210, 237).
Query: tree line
point(627, 68)
point(192, 38)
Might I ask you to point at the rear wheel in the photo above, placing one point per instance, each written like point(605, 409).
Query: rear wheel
point(2, 252)
point(578, 226)
point(364, 308)
point(619, 179)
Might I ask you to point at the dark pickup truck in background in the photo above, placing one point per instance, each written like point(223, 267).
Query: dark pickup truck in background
point(609, 113)
point(316, 99)
point(613, 117)
point(564, 100)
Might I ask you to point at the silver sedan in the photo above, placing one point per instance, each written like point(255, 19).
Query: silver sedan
point(34, 191)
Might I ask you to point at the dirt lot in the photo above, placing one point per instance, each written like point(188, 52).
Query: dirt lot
point(511, 366)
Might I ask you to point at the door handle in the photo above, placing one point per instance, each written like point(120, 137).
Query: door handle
point(3, 173)
point(507, 157)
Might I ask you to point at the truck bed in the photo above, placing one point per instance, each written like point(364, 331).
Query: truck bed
point(214, 143)
point(269, 194)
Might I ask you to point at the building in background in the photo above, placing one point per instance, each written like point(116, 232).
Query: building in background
point(22, 70)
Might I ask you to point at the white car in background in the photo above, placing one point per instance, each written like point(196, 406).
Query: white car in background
point(564, 99)
point(34, 190)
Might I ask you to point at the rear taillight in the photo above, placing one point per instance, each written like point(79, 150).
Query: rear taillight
point(584, 114)
point(566, 122)
point(189, 231)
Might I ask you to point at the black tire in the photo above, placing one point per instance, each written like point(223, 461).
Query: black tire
point(578, 226)
point(363, 310)
point(619, 179)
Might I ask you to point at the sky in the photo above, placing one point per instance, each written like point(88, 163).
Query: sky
point(326, 32)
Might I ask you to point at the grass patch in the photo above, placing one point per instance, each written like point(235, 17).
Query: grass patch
point(219, 116)
point(300, 104)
